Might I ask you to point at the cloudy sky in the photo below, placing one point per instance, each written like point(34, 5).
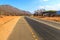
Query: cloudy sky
point(32, 5)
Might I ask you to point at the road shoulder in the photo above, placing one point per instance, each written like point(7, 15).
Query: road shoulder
point(6, 29)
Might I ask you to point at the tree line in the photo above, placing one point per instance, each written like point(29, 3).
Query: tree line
point(43, 12)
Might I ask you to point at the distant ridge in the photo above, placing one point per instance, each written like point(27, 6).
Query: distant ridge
point(10, 10)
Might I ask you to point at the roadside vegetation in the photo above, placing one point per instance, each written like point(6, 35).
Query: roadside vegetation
point(47, 15)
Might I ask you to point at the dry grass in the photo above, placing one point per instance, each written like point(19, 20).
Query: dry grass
point(50, 18)
point(5, 19)
point(7, 28)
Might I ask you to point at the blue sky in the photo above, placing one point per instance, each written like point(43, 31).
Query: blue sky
point(32, 5)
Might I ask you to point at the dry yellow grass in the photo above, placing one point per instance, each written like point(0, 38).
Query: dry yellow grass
point(52, 18)
point(6, 29)
point(6, 19)
point(49, 18)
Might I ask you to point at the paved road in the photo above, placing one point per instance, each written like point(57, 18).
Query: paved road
point(51, 23)
point(29, 29)
point(22, 31)
point(44, 31)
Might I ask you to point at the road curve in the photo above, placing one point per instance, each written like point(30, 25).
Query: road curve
point(45, 31)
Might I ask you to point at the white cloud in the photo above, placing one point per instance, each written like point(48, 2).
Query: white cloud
point(45, 0)
point(51, 7)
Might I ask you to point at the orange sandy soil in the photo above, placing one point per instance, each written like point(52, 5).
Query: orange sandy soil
point(6, 19)
point(57, 19)
point(7, 24)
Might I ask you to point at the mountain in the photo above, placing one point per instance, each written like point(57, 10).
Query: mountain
point(10, 10)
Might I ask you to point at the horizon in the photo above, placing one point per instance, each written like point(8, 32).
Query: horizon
point(32, 5)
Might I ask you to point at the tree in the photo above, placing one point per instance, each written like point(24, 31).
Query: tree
point(51, 13)
point(39, 12)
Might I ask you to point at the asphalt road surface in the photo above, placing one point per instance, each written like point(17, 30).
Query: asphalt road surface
point(45, 31)
point(51, 23)
point(22, 31)
point(25, 25)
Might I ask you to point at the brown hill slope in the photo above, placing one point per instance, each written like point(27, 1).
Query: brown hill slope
point(10, 10)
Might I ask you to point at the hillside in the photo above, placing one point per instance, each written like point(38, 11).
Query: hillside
point(10, 10)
